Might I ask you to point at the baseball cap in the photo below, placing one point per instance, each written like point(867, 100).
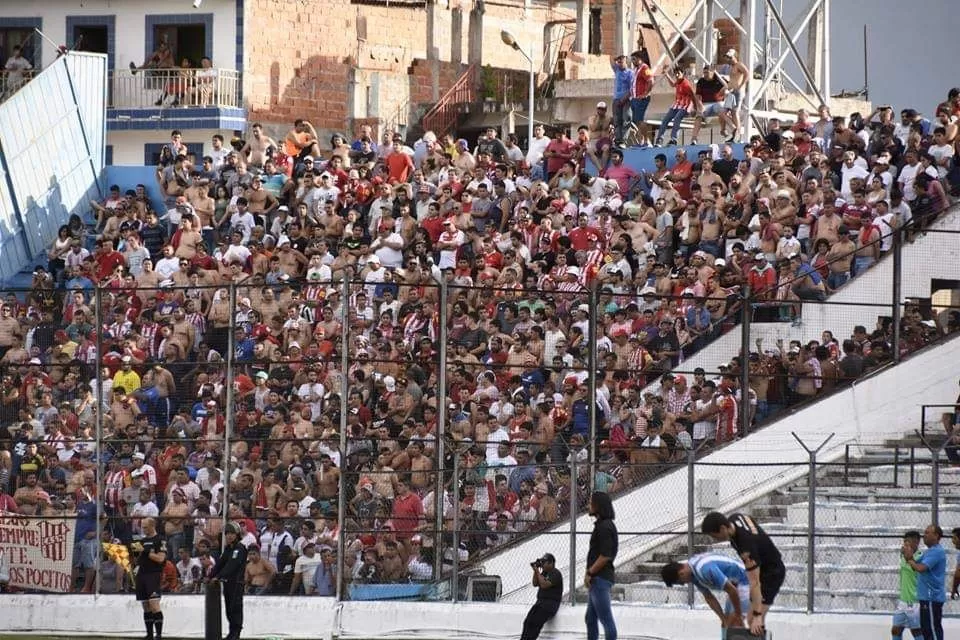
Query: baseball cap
point(601, 105)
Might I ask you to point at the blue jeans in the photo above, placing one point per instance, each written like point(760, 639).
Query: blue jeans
point(675, 116)
point(638, 110)
point(862, 264)
point(621, 117)
point(837, 280)
point(598, 609)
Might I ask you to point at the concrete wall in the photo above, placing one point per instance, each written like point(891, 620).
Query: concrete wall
point(130, 24)
point(128, 145)
point(266, 616)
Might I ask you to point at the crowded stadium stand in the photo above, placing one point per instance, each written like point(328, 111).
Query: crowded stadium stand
point(390, 360)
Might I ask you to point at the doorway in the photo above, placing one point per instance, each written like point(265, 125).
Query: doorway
point(91, 38)
point(186, 41)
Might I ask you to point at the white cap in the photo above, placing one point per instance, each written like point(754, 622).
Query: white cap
point(601, 105)
point(390, 383)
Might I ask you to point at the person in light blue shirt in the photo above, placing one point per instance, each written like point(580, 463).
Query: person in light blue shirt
point(711, 572)
point(931, 570)
point(622, 93)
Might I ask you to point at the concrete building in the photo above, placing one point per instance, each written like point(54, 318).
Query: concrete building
point(343, 63)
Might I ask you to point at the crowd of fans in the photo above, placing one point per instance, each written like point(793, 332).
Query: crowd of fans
point(520, 240)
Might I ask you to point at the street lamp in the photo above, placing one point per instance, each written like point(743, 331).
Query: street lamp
point(511, 42)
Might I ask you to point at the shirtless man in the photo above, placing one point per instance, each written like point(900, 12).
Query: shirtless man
point(598, 125)
point(736, 86)
point(255, 151)
point(392, 566)
point(9, 329)
point(259, 572)
point(259, 201)
point(711, 226)
point(420, 467)
point(327, 479)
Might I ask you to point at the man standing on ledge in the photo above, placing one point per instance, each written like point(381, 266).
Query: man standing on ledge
point(622, 93)
point(760, 556)
point(931, 571)
point(600, 574)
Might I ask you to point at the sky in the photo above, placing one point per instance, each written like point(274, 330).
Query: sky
point(910, 48)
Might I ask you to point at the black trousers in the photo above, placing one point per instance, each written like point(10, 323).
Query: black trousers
point(931, 620)
point(233, 603)
point(538, 616)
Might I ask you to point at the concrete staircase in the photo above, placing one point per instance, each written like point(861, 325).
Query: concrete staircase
point(863, 508)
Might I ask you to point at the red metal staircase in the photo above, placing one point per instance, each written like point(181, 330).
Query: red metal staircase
point(443, 116)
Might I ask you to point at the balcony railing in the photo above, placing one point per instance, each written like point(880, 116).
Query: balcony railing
point(11, 82)
point(147, 88)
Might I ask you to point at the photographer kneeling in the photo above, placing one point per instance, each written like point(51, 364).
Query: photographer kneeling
point(550, 584)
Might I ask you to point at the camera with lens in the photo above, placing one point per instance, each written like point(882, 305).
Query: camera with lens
point(538, 563)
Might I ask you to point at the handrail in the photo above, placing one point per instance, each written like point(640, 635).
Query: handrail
point(443, 115)
point(165, 88)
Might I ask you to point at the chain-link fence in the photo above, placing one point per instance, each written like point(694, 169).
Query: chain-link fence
point(378, 435)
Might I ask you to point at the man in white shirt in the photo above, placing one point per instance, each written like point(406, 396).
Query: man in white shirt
point(217, 152)
point(15, 68)
point(388, 246)
point(304, 570)
point(535, 149)
point(190, 572)
point(849, 171)
point(203, 474)
point(145, 508)
point(243, 219)
point(450, 241)
point(908, 174)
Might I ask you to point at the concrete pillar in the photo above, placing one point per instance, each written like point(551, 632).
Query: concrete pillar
point(709, 40)
point(815, 47)
point(622, 39)
point(475, 34)
point(433, 47)
point(582, 40)
point(456, 35)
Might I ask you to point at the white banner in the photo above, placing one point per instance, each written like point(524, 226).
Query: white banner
point(37, 551)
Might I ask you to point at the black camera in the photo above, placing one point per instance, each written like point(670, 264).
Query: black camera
point(538, 563)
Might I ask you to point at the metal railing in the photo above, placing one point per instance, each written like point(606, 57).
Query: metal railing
point(147, 88)
point(442, 118)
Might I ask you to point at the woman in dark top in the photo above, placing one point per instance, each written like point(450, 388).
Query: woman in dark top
point(600, 573)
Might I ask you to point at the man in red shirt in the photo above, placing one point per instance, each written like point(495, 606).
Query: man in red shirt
point(684, 99)
point(107, 259)
point(407, 511)
point(399, 164)
point(681, 173)
point(558, 151)
point(762, 278)
point(583, 237)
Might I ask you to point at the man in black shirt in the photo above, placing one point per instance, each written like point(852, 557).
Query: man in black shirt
point(550, 584)
point(230, 569)
point(600, 574)
point(760, 556)
point(153, 555)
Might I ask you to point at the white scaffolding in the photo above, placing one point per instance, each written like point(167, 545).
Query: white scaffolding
point(763, 51)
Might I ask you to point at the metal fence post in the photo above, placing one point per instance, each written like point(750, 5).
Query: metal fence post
point(344, 386)
point(811, 514)
point(230, 413)
point(691, 514)
point(935, 453)
point(897, 291)
point(455, 578)
point(592, 390)
point(746, 316)
point(573, 529)
point(101, 485)
point(439, 490)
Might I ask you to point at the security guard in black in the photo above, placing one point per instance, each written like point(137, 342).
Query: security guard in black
point(231, 570)
point(750, 538)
